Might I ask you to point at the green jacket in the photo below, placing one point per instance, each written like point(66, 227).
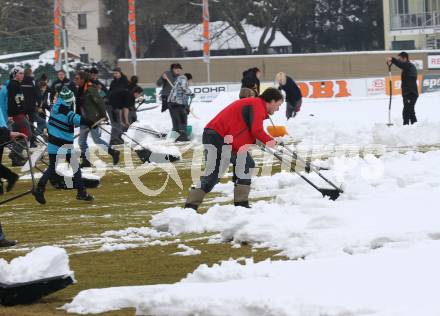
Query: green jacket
point(93, 106)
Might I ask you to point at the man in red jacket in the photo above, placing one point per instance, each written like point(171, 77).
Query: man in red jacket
point(227, 138)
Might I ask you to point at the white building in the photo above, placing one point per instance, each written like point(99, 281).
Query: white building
point(411, 24)
point(83, 21)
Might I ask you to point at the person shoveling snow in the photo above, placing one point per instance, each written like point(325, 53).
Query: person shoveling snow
point(227, 139)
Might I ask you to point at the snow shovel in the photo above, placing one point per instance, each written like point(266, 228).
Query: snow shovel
point(309, 167)
point(150, 131)
point(144, 153)
point(391, 95)
point(29, 292)
point(281, 131)
point(332, 193)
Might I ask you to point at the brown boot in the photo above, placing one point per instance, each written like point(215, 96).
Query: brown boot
point(241, 195)
point(195, 198)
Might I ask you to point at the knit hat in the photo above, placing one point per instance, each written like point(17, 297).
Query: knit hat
point(16, 70)
point(67, 95)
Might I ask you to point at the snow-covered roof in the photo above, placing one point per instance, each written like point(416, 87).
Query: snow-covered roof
point(17, 55)
point(223, 37)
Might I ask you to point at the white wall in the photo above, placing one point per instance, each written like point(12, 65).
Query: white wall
point(84, 41)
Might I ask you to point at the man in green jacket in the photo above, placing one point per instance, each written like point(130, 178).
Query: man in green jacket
point(90, 105)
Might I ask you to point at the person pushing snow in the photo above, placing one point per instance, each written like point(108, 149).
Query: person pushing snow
point(61, 128)
point(227, 138)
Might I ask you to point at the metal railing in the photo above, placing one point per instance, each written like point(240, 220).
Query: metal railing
point(415, 21)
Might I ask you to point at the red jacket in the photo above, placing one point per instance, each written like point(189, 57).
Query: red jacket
point(243, 119)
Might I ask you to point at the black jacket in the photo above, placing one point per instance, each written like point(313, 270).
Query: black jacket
point(118, 93)
point(44, 98)
point(293, 93)
point(4, 134)
point(131, 99)
point(250, 80)
point(31, 95)
point(409, 77)
point(57, 85)
point(15, 98)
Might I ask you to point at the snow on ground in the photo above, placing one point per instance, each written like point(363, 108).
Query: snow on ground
point(359, 121)
point(321, 122)
point(187, 251)
point(43, 262)
point(371, 252)
point(391, 281)
point(300, 223)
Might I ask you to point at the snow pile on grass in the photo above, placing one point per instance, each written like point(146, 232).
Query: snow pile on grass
point(43, 262)
point(187, 251)
point(133, 237)
point(388, 281)
point(302, 224)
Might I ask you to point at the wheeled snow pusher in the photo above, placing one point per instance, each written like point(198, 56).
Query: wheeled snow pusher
point(280, 131)
point(332, 193)
point(30, 292)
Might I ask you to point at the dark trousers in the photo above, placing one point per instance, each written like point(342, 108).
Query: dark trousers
point(50, 173)
point(2, 236)
point(164, 103)
point(179, 117)
point(116, 123)
point(5, 172)
point(218, 156)
point(41, 125)
point(291, 107)
point(409, 114)
point(21, 124)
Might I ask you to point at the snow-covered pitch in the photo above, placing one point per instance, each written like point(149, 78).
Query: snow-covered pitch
point(374, 251)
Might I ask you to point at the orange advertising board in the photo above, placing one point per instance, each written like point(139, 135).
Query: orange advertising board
point(397, 84)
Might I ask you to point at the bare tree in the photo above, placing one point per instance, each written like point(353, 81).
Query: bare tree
point(25, 17)
point(266, 14)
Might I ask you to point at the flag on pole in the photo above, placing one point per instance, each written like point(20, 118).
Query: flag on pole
point(132, 31)
point(57, 33)
point(206, 50)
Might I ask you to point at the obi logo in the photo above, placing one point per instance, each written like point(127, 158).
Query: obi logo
point(324, 89)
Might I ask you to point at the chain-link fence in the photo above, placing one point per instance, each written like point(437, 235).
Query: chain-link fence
point(26, 43)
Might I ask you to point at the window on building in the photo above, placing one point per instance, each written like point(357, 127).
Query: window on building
point(399, 6)
point(403, 45)
point(82, 21)
point(432, 5)
point(84, 58)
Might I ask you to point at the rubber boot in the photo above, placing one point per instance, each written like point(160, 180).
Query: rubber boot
point(84, 196)
point(115, 155)
point(12, 180)
point(182, 137)
point(241, 195)
point(85, 163)
point(39, 195)
point(195, 198)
